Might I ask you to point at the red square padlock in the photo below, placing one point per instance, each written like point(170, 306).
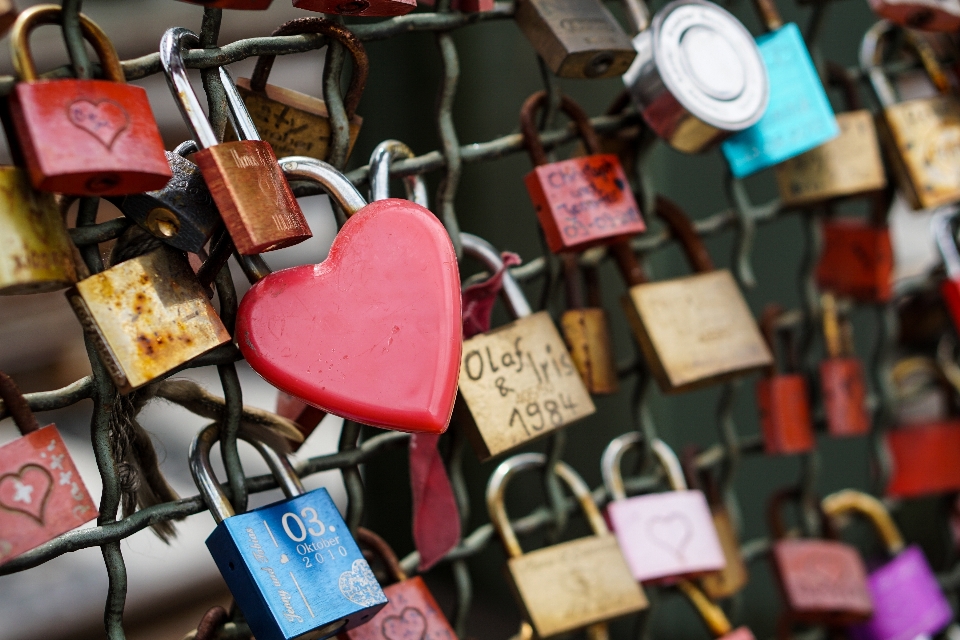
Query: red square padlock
point(856, 261)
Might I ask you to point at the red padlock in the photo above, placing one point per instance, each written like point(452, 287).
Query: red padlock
point(41, 492)
point(364, 8)
point(83, 137)
point(924, 459)
point(306, 418)
point(841, 376)
point(582, 201)
point(782, 397)
point(950, 287)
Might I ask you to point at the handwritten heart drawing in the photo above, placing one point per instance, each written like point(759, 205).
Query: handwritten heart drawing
point(672, 532)
point(26, 491)
point(104, 120)
point(411, 624)
point(373, 333)
point(360, 586)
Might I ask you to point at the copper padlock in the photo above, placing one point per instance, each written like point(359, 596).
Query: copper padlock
point(842, 383)
point(571, 585)
point(713, 616)
point(586, 330)
point(245, 180)
point(294, 123)
point(696, 330)
point(518, 381)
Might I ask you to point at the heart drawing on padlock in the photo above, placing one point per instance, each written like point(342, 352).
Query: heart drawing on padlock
point(104, 120)
point(373, 333)
point(359, 585)
point(672, 532)
point(411, 624)
point(26, 491)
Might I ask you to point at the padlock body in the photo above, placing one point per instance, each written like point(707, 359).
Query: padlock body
point(251, 5)
point(798, 116)
point(519, 383)
point(823, 581)
point(583, 202)
point(256, 203)
point(950, 292)
point(844, 396)
point(411, 614)
point(848, 165)
point(35, 254)
point(924, 459)
point(666, 535)
point(696, 330)
point(785, 421)
point(856, 261)
point(928, 15)
point(365, 8)
point(576, 38)
point(41, 492)
point(907, 600)
point(294, 569)
point(574, 584)
point(88, 137)
point(294, 123)
point(922, 141)
point(147, 316)
point(587, 334)
point(733, 576)
point(306, 417)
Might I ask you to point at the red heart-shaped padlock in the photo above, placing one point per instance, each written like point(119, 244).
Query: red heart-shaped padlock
point(373, 333)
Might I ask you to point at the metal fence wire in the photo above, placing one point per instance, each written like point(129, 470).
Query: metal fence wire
point(112, 411)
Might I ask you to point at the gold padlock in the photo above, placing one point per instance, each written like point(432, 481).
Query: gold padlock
point(36, 255)
point(848, 165)
point(517, 382)
point(586, 329)
point(571, 585)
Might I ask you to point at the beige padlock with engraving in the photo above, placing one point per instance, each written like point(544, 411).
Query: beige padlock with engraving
point(586, 329)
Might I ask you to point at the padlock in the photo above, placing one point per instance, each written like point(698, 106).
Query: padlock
point(666, 535)
point(249, 5)
point(842, 383)
point(363, 8)
point(412, 613)
point(182, 213)
point(713, 616)
point(928, 15)
point(306, 417)
point(36, 255)
point(254, 199)
point(292, 566)
point(822, 581)
point(907, 600)
point(924, 459)
point(575, 38)
point(381, 158)
point(580, 202)
point(83, 137)
point(586, 330)
point(782, 396)
point(943, 234)
point(921, 137)
point(147, 316)
point(798, 116)
point(41, 492)
point(571, 585)
point(696, 330)
point(848, 165)
point(296, 124)
point(518, 381)
point(388, 299)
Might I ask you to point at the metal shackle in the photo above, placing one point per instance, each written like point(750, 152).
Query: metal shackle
point(213, 495)
point(336, 185)
point(714, 617)
point(242, 122)
point(850, 501)
point(613, 456)
point(497, 486)
point(484, 252)
point(871, 62)
point(383, 550)
point(186, 147)
point(17, 406)
point(171, 59)
point(380, 160)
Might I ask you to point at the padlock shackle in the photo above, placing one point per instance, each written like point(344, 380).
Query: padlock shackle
point(380, 548)
point(682, 229)
point(638, 15)
point(871, 62)
point(773, 335)
point(43, 14)
point(714, 617)
point(850, 501)
point(838, 76)
point(333, 182)
point(511, 293)
point(942, 228)
point(612, 458)
point(171, 59)
point(16, 405)
point(242, 122)
point(531, 135)
point(322, 26)
point(769, 14)
point(775, 521)
point(254, 267)
point(591, 276)
point(381, 158)
point(572, 282)
point(627, 263)
point(831, 325)
point(210, 489)
point(497, 486)
point(186, 147)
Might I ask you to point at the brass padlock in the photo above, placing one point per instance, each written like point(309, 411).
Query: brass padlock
point(586, 330)
point(296, 124)
point(848, 165)
point(567, 586)
point(518, 381)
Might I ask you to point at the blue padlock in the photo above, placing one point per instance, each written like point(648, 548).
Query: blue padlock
point(292, 566)
point(798, 117)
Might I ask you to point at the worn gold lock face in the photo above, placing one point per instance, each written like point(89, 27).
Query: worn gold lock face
point(586, 330)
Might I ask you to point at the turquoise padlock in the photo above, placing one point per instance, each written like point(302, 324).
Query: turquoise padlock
point(798, 116)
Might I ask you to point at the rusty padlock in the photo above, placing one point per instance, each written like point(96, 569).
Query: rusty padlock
point(713, 616)
point(245, 180)
point(296, 124)
point(842, 383)
point(583, 201)
point(364, 8)
point(571, 585)
point(586, 329)
point(83, 137)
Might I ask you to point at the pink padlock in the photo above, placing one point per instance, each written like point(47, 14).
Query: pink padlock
point(663, 536)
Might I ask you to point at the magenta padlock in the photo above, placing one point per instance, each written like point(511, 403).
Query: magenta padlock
point(663, 536)
point(907, 600)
